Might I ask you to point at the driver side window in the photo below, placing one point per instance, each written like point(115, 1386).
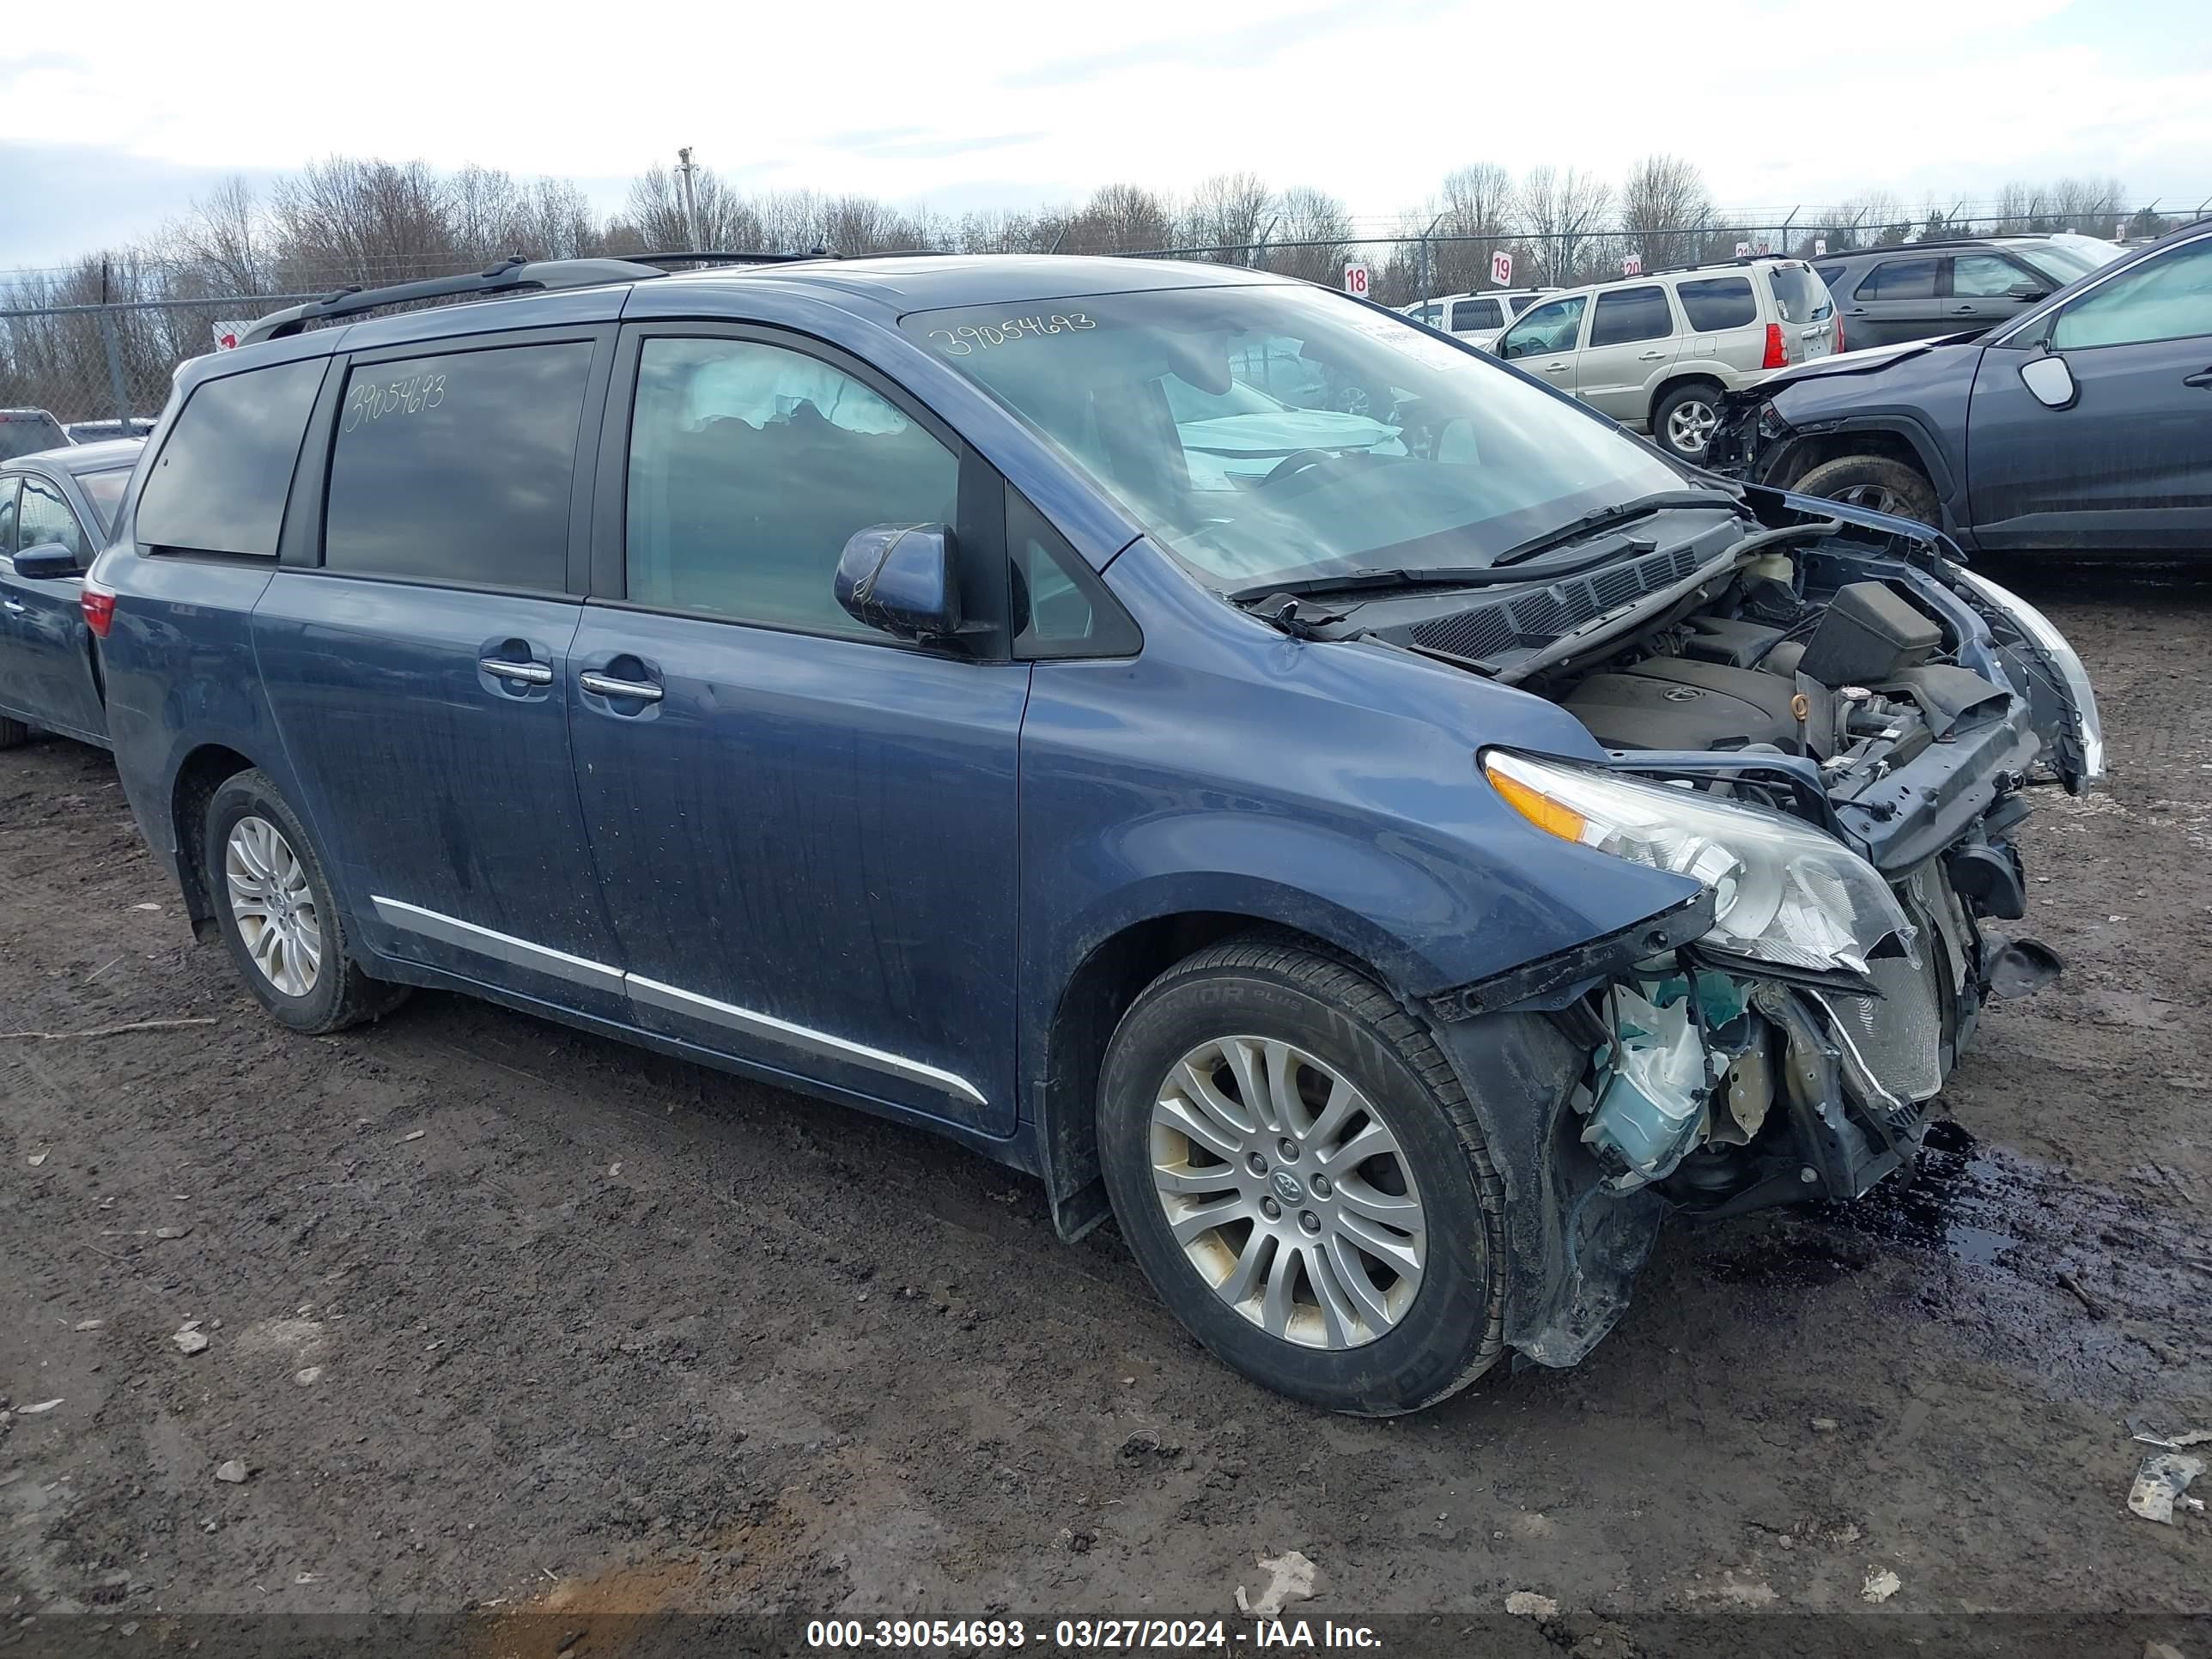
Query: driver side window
point(750, 466)
point(47, 518)
point(2166, 298)
point(1553, 327)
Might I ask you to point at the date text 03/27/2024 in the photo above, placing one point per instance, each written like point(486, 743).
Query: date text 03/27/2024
point(1086, 1635)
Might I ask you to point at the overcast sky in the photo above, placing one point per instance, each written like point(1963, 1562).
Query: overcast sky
point(117, 114)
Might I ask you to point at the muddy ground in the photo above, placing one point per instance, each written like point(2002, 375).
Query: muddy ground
point(506, 1317)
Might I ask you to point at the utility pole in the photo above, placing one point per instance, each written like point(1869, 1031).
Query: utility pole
point(683, 171)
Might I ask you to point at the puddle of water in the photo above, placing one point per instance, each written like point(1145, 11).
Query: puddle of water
point(2088, 1288)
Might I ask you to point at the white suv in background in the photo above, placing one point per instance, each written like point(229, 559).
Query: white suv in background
point(1657, 352)
point(1477, 319)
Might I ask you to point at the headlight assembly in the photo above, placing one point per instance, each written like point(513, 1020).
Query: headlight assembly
point(1783, 892)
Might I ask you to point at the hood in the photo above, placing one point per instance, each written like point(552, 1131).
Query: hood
point(1868, 360)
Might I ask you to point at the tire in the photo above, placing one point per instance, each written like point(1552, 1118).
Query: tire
point(1412, 1338)
point(272, 898)
point(1876, 481)
point(1684, 418)
point(13, 734)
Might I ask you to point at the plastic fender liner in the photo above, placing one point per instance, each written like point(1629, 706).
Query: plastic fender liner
point(1572, 1250)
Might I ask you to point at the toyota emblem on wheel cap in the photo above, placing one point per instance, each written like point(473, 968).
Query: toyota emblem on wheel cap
point(1287, 1185)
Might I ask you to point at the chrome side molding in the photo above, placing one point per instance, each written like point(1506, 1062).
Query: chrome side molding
point(672, 999)
point(503, 947)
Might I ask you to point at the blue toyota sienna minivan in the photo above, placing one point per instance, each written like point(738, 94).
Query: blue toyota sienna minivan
point(1295, 784)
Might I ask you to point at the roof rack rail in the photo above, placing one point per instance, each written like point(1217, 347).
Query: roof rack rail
point(722, 258)
point(505, 276)
point(1721, 264)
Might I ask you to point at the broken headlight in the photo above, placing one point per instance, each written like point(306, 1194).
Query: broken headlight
point(1783, 892)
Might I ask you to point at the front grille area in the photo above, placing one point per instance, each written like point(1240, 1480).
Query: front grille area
point(1538, 617)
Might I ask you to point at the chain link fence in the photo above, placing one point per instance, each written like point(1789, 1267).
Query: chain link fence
point(113, 362)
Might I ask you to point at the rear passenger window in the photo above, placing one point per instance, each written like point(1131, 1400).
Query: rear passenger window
point(457, 467)
point(1712, 303)
point(1632, 314)
point(1475, 313)
point(226, 465)
point(750, 466)
point(1899, 279)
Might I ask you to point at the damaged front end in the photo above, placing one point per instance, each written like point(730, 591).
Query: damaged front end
point(1834, 736)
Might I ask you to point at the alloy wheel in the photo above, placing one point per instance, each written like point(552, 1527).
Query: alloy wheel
point(273, 905)
point(1690, 426)
point(1879, 498)
point(1288, 1191)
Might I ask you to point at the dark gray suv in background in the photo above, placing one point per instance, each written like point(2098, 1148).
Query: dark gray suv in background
point(2081, 426)
point(1918, 290)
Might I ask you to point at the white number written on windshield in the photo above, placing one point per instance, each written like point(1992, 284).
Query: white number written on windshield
point(959, 342)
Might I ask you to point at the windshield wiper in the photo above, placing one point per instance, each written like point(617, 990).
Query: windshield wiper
point(1478, 575)
point(1607, 518)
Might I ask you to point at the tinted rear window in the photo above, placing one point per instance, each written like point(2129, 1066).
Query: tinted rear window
point(1475, 313)
point(1718, 302)
point(457, 467)
point(1632, 314)
point(26, 434)
point(220, 484)
point(1899, 279)
point(1800, 295)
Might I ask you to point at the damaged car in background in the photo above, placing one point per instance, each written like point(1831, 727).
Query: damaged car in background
point(1300, 787)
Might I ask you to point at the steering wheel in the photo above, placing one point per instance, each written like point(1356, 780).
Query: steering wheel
point(1291, 465)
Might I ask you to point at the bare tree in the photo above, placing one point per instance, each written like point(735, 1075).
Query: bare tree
point(1122, 219)
point(1563, 211)
point(223, 237)
point(1230, 212)
point(1875, 219)
point(345, 220)
point(1477, 216)
point(1664, 209)
point(1313, 239)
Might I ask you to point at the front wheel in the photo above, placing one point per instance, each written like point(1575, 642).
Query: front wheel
point(1299, 1175)
point(1874, 481)
point(278, 916)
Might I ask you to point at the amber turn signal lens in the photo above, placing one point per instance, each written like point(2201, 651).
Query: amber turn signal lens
point(1538, 808)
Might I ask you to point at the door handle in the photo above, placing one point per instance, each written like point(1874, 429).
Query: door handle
point(1649, 357)
point(2202, 378)
point(1556, 368)
point(1962, 311)
point(1856, 310)
point(15, 606)
point(606, 686)
point(522, 673)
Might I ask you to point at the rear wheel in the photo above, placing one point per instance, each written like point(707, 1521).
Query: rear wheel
point(1297, 1171)
point(13, 734)
point(278, 916)
point(1684, 418)
point(1874, 481)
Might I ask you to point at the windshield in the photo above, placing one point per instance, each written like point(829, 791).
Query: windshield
point(26, 431)
point(1273, 433)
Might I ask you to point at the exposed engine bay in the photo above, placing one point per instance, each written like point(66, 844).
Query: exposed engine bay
point(1881, 716)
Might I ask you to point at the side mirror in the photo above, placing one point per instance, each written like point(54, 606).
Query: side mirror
point(900, 578)
point(46, 562)
point(2051, 382)
point(2026, 291)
